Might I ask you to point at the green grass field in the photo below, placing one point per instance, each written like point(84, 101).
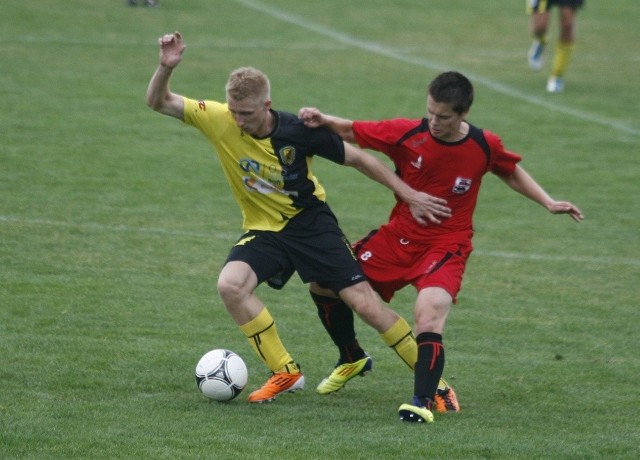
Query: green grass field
point(114, 222)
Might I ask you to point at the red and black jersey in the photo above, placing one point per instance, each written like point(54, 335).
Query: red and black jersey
point(449, 170)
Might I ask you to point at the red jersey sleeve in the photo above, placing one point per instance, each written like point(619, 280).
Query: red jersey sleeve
point(502, 162)
point(382, 136)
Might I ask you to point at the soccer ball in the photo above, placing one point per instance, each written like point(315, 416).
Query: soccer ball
point(221, 375)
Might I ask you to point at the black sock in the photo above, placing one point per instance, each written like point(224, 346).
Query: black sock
point(337, 319)
point(429, 367)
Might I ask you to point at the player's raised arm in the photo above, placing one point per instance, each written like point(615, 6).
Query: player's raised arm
point(159, 96)
point(314, 118)
point(426, 209)
point(522, 182)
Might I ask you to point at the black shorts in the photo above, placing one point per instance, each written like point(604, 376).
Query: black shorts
point(312, 244)
point(541, 6)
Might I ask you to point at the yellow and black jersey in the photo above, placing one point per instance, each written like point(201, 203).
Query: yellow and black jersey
point(542, 6)
point(270, 177)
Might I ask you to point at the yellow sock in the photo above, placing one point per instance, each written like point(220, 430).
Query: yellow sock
point(401, 339)
point(561, 58)
point(263, 337)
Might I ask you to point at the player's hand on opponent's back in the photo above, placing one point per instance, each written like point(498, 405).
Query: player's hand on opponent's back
point(171, 48)
point(311, 116)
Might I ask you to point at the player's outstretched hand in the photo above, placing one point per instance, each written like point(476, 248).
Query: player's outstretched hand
point(564, 207)
point(171, 48)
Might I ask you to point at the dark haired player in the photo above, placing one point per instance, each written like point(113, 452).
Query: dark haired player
point(447, 157)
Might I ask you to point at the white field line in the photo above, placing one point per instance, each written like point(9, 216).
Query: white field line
point(226, 44)
point(231, 237)
point(121, 228)
point(373, 47)
point(398, 55)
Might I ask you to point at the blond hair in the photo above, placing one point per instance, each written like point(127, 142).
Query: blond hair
point(247, 82)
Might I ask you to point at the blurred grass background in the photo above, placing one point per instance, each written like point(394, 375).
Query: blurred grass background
point(114, 222)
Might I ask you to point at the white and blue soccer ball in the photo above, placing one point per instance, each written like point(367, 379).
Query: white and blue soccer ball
point(221, 374)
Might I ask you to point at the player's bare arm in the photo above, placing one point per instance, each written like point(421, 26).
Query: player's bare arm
point(426, 209)
point(159, 96)
point(523, 183)
point(314, 118)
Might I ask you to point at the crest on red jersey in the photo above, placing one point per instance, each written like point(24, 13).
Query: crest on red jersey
point(461, 185)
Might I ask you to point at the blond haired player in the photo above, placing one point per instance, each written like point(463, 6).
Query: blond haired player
point(266, 156)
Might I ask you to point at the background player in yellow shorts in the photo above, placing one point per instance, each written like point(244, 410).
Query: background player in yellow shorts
point(540, 11)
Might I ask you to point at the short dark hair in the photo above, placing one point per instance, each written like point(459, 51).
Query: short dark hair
point(452, 88)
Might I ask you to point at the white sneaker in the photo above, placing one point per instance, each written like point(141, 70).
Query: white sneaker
point(555, 84)
point(534, 56)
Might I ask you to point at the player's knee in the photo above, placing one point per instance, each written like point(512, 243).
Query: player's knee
point(363, 301)
point(236, 281)
point(229, 288)
point(431, 319)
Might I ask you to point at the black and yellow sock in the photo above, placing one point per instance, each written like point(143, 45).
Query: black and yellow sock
point(400, 338)
point(561, 58)
point(263, 337)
